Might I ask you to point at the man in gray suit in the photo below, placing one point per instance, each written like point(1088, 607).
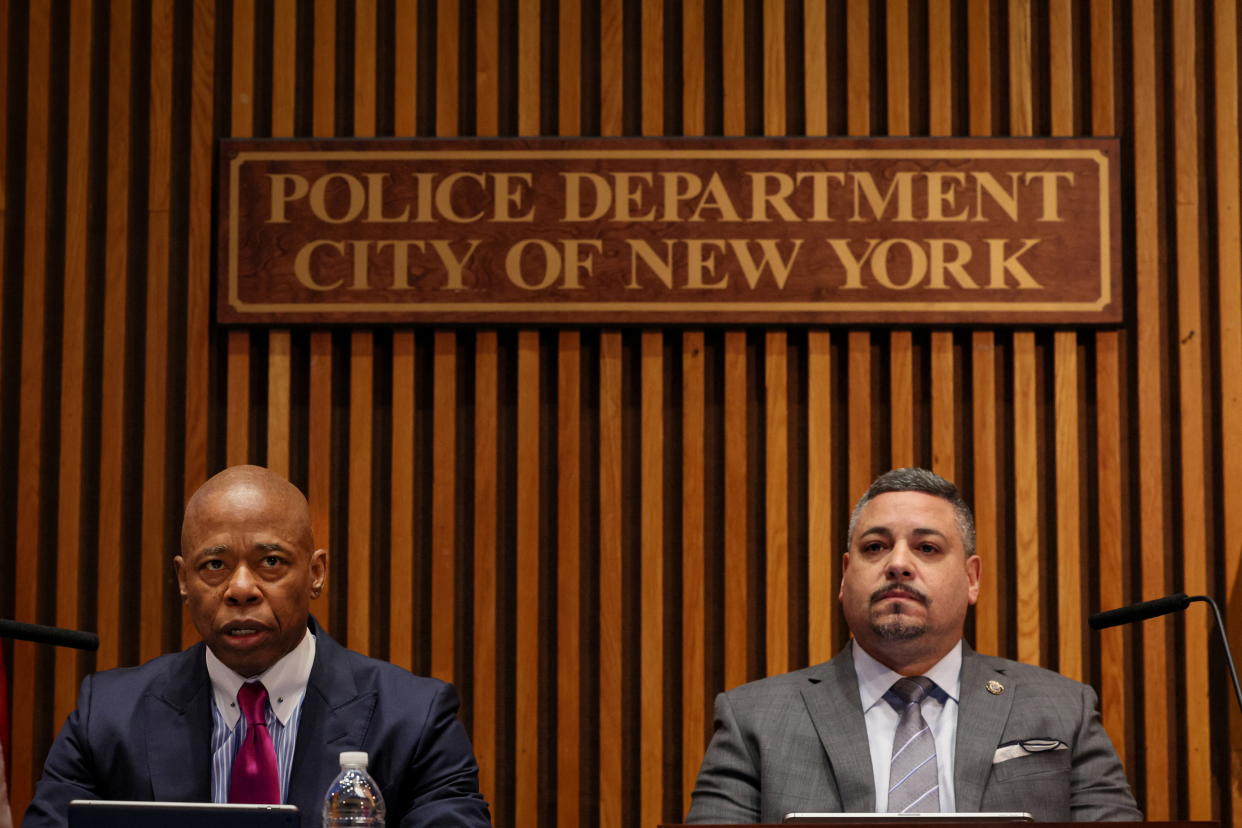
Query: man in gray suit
point(908, 710)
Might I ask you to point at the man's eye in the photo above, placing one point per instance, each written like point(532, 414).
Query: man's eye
point(874, 546)
point(272, 561)
point(213, 565)
point(929, 549)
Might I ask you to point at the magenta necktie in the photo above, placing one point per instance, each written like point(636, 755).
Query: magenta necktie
point(255, 778)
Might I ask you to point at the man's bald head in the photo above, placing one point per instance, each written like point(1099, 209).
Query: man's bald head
point(243, 488)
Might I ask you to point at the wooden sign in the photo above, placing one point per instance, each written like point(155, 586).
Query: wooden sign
point(746, 230)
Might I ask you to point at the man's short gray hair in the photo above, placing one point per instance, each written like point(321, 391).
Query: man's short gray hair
point(919, 480)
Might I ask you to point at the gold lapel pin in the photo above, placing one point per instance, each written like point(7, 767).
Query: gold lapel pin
point(995, 687)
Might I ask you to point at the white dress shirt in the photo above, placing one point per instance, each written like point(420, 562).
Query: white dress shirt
point(286, 682)
point(939, 709)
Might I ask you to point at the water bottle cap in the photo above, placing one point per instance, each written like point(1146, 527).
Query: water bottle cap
point(353, 759)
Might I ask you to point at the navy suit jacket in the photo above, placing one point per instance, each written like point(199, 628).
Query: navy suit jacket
point(144, 733)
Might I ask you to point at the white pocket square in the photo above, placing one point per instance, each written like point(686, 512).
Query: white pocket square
point(1026, 747)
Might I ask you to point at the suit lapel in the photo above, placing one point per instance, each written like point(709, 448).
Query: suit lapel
point(835, 708)
point(335, 717)
point(177, 717)
point(981, 718)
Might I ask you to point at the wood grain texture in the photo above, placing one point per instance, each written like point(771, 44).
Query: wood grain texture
point(198, 259)
point(776, 499)
point(484, 708)
point(733, 38)
point(358, 554)
point(28, 606)
point(444, 506)
point(1150, 353)
point(402, 582)
point(822, 544)
point(815, 50)
point(1196, 503)
point(736, 528)
point(610, 581)
point(112, 467)
point(241, 120)
point(155, 552)
point(652, 554)
point(528, 597)
point(1228, 222)
point(670, 525)
point(69, 515)
point(696, 723)
point(569, 582)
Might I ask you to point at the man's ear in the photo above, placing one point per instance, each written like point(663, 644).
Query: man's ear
point(974, 570)
point(845, 564)
point(319, 571)
point(179, 563)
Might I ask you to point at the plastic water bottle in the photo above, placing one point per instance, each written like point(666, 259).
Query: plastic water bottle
point(354, 797)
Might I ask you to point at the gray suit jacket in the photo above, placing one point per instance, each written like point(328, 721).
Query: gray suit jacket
point(797, 742)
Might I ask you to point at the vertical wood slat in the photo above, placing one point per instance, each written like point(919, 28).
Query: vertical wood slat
point(443, 507)
point(198, 260)
point(733, 40)
point(1196, 498)
point(30, 422)
point(822, 543)
point(1066, 404)
point(241, 120)
point(405, 459)
point(651, 632)
point(611, 42)
point(155, 393)
point(279, 341)
point(736, 475)
point(1229, 253)
point(693, 94)
point(484, 712)
point(358, 555)
point(860, 460)
point(1153, 533)
point(985, 482)
point(776, 388)
point(527, 687)
point(776, 499)
point(1027, 465)
point(1115, 693)
point(610, 581)
point(945, 410)
point(112, 414)
point(569, 585)
point(815, 50)
point(361, 372)
point(69, 517)
point(319, 413)
point(695, 722)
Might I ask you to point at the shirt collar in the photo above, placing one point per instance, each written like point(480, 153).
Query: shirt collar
point(285, 681)
point(874, 679)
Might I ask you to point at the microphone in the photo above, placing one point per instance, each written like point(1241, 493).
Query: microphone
point(48, 635)
point(1140, 611)
point(1163, 606)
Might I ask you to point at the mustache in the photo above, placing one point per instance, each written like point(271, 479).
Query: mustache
point(911, 591)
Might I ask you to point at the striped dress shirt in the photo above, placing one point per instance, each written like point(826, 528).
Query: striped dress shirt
point(286, 682)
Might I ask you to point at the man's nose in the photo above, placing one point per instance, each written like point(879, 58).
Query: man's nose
point(242, 587)
point(900, 562)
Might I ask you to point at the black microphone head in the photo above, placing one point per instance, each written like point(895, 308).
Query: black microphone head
point(1140, 611)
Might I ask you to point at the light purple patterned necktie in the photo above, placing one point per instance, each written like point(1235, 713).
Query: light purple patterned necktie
point(255, 777)
point(913, 780)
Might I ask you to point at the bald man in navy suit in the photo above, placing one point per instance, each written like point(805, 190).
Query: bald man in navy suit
point(170, 729)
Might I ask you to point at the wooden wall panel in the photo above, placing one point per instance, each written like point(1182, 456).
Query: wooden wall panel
point(592, 532)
